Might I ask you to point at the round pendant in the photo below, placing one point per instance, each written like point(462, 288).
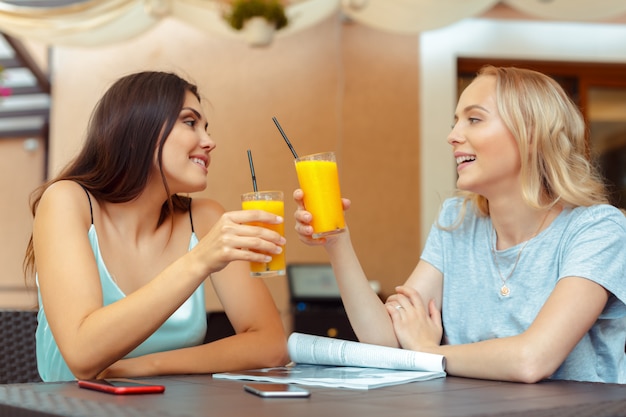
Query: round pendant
point(504, 291)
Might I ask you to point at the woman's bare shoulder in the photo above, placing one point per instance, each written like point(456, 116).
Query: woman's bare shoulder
point(64, 187)
point(206, 205)
point(64, 203)
point(206, 212)
point(67, 195)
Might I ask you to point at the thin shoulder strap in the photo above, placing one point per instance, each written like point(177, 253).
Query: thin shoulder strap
point(190, 217)
point(88, 198)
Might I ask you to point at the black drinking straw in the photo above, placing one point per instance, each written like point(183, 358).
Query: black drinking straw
point(280, 129)
point(254, 187)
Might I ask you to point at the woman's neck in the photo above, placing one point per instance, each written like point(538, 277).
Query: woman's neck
point(515, 222)
point(136, 218)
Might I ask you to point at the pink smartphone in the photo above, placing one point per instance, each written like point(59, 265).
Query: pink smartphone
point(120, 387)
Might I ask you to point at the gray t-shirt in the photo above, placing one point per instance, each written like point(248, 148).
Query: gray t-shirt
point(587, 242)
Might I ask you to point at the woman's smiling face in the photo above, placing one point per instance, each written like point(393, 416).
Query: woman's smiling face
point(487, 155)
point(186, 151)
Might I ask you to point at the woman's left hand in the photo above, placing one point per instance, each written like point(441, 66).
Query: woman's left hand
point(415, 326)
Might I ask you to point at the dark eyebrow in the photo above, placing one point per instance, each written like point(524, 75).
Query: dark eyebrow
point(191, 109)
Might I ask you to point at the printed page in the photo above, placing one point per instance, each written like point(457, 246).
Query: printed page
point(332, 376)
point(319, 350)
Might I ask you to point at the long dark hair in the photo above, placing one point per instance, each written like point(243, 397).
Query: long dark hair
point(129, 123)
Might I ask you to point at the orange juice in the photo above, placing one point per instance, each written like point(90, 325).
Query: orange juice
point(272, 202)
point(319, 179)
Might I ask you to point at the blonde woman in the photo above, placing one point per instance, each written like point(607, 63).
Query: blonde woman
point(523, 275)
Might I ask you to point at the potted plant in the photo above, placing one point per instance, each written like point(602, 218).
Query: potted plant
point(258, 19)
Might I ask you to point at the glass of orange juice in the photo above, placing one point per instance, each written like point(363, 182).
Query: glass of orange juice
point(319, 180)
point(273, 202)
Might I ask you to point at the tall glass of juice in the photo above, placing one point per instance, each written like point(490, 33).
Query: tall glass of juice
point(319, 180)
point(273, 202)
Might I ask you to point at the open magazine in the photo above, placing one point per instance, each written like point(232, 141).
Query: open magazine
point(328, 362)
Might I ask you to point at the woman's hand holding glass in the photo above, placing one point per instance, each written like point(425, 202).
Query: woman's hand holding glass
point(303, 218)
point(233, 239)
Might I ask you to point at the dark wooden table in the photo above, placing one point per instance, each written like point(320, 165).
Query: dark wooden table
point(202, 395)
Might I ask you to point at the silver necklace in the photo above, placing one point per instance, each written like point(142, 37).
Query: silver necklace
point(505, 291)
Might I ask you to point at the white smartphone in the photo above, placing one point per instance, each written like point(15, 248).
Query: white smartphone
point(277, 390)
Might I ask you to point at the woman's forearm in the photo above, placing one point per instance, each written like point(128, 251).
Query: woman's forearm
point(367, 313)
point(248, 350)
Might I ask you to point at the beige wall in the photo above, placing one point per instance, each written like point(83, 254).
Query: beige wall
point(337, 86)
point(21, 170)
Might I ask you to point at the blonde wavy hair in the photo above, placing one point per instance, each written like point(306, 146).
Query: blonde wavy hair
point(550, 129)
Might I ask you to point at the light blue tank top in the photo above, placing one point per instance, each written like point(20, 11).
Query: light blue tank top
point(184, 328)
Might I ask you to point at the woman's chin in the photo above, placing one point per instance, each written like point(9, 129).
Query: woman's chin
point(193, 188)
point(466, 187)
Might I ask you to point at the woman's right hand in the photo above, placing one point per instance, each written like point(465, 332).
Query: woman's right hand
point(304, 229)
point(234, 238)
